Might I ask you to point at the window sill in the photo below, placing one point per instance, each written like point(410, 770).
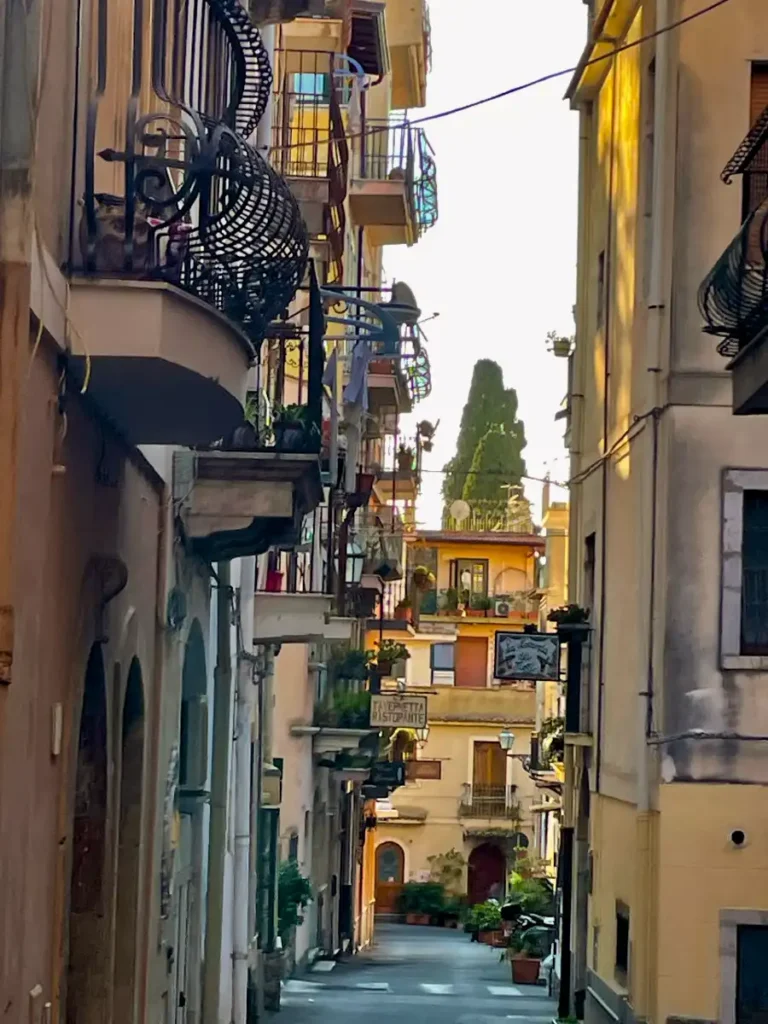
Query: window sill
point(744, 662)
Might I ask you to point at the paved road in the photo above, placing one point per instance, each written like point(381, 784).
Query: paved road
point(429, 975)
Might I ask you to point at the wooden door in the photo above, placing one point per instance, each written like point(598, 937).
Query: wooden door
point(489, 776)
point(390, 871)
point(472, 661)
point(486, 874)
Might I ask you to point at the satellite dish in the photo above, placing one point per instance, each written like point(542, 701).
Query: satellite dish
point(460, 510)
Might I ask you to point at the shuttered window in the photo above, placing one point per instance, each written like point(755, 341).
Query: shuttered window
point(756, 177)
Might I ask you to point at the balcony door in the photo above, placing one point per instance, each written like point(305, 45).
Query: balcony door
point(472, 662)
point(489, 777)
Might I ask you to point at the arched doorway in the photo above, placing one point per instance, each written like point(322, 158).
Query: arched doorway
point(129, 848)
point(487, 870)
point(87, 962)
point(390, 873)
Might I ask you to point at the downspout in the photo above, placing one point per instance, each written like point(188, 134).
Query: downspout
point(222, 728)
point(656, 325)
point(608, 277)
point(245, 674)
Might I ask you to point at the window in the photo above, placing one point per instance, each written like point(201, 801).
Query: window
point(472, 661)
point(756, 175)
point(442, 657)
point(312, 86)
point(470, 578)
point(293, 847)
point(744, 577)
point(600, 315)
point(622, 943)
point(754, 574)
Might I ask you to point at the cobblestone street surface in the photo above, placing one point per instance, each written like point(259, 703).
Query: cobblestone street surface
point(416, 974)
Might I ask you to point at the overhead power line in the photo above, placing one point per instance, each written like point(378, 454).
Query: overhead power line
point(541, 80)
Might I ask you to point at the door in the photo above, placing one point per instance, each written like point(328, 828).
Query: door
point(486, 874)
point(751, 976)
point(390, 871)
point(489, 777)
point(472, 661)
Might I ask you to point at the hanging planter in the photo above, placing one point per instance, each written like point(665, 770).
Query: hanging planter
point(422, 578)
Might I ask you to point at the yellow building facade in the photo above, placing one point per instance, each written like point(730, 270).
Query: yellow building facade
point(462, 792)
point(665, 794)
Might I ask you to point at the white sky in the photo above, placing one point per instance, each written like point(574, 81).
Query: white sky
point(500, 264)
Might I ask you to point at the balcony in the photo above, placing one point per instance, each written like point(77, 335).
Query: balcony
point(253, 490)
point(394, 193)
point(314, 91)
point(489, 801)
point(733, 300)
point(188, 243)
point(399, 477)
point(399, 379)
point(516, 607)
point(410, 51)
point(341, 728)
point(490, 516)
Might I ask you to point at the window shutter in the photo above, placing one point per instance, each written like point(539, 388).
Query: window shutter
point(758, 99)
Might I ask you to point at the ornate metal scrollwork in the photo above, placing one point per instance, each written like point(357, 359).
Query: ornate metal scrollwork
point(200, 207)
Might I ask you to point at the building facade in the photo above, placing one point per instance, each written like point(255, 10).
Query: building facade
point(463, 791)
point(172, 393)
point(664, 773)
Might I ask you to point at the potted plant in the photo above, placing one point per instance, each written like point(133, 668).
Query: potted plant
point(559, 346)
point(421, 901)
point(389, 652)
point(487, 922)
point(527, 954)
point(451, 600)
point(570, 619)
point(405, 456)
point(294, 428)
point(486, 605)
point(294, 893)
point(403, 610)
point(475, 609)
point(426, 433)
point(423, 578)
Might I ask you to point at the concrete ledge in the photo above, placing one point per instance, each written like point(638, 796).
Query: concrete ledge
point(605, 1004)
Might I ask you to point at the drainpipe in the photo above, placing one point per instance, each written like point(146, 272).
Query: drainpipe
point(222, 729)
point(643, 912)
point(240, 936)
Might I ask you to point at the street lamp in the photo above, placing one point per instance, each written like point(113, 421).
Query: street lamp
point(355, 560)
point(422, 735)
point(506, 740)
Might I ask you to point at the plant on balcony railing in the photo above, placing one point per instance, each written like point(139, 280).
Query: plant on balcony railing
point(344, 709)
point(389, 653)
point(551, 741)
point(295, 429)
point(198, 207)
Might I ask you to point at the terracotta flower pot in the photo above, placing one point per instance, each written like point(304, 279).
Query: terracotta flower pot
point(525, 969)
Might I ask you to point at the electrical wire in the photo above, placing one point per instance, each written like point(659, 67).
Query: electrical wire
point(524, 86)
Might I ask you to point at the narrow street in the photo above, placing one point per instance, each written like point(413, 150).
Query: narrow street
point(425, 974)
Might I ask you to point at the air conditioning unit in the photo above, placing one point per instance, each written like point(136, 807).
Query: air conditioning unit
point(502, 608)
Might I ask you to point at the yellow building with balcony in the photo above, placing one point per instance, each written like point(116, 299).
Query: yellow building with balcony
point(667, 774)
point(463, 792)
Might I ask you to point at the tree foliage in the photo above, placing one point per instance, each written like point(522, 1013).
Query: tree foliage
point(490, 436)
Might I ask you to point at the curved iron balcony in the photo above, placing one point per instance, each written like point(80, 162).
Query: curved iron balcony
point(733, 298)
point(415, 365)
point(179, 195)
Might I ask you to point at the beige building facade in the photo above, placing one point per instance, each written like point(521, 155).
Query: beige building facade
point(665, 773)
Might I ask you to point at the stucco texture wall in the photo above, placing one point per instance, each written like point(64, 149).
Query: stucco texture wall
point(702, 872)
point(102, 504)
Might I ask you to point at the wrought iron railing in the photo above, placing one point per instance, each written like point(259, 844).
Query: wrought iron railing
point(733, 298)
point(489, 516)
point(396, 151)
point(171, 189)
point(309, 135)
point(489, 801)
